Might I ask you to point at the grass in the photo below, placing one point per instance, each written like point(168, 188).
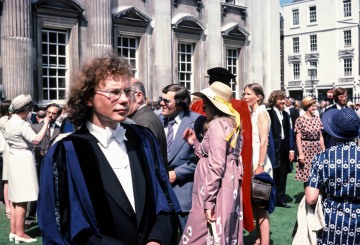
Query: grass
point(282, 220)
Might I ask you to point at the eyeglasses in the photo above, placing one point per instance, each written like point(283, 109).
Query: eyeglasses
point(166, 101)
point(51, 113)
point(115, 95)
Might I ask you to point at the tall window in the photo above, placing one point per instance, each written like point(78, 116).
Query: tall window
point(231, 65)
point(313, 43)
point(347, 38)
point(347, 8)
point(295, 14)
point(296, 45)
point(185, 53)
point(127, 47)
point(314, 64)
point(347, 67)
point(53, 47)
point(312, 10)
point(296, 67)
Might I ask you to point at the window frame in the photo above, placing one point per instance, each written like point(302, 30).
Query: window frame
point(296, 71)
point(347, 8)
point(49, 66)
point(347, 67)
point(347, 38)
point(295, 17)
point(312, 15)
point(120, 49)
point(185, 82)
point(232, 66)
point(314, 63)
point(296, 46)
point(313, 43)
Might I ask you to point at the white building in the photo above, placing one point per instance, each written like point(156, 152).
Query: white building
point(324, 34)
point(44, 42)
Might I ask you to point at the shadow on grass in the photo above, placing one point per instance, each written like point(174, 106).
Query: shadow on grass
point(298, 197)
point(249, 238)
point(34, 231)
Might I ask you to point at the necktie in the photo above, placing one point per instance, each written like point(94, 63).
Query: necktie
point(118, 134)
point(170, 134)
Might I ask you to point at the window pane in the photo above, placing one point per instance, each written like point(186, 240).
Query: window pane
point(62, 94)
point(53, 94)
point(61, 49)
point(52, 49)
point(44, 49)
point(62, 37)
point(52, 82)
point(45, 95)
point(61, 82)
point(52, 37)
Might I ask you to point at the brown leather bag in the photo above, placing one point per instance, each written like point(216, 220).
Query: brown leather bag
point(260, 192)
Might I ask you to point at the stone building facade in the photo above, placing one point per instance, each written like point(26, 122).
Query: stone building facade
point(44, 42)
point(323, 34)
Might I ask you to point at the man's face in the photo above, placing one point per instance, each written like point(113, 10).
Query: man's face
point(342, 99)
point(52, 113)
point(280, 104)
point(168, 105)
point(107, 113)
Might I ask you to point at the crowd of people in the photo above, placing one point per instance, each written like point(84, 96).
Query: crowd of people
point(106, 168)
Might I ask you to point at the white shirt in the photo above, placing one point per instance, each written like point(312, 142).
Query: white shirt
point(280, 117)
point(117, 156)
point(176, 125)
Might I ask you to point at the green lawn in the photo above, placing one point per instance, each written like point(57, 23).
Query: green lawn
point(282, 219)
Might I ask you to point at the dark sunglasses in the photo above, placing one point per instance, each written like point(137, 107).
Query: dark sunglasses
point(166, 101)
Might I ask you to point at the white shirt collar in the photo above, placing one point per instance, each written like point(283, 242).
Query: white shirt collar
point(101, 133)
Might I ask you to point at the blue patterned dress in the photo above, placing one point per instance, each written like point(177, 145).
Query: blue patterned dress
point(336, 172)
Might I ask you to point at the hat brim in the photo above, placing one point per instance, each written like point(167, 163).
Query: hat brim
point(327, 121)
point(220, 105)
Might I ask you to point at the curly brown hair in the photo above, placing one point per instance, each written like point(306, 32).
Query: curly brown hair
point(274, 96)
point(86, 82)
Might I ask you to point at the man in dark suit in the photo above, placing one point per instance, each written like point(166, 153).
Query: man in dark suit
point(106, 183)
point(140, 113)
point(281, 144)
point(53, 112)
point(176, 117)
point(340, 101)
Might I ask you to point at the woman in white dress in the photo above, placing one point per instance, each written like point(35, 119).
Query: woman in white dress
point(260, 120)
point(22, 176)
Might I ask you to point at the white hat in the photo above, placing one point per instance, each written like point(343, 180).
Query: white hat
point(20, 101)
point(219, 94)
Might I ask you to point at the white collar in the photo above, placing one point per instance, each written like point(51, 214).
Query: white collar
point(102, 134)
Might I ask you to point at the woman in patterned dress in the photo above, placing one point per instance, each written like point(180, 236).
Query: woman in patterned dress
point(309, 139)
point(335, 174)
point(217, 197)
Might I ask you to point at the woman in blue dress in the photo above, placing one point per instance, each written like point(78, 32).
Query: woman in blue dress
point(335, 174)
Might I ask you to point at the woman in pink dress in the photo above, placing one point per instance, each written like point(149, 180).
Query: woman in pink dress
point(309, 139)
point(216, 215)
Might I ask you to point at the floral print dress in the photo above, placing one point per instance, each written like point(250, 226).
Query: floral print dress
point(217, 185)
point(310, 129)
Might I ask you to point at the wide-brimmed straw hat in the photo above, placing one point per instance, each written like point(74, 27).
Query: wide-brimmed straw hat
point(219, 94)
point(20, 101)
point(341, 124)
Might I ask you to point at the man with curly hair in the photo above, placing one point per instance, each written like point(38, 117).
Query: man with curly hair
point(105, 183)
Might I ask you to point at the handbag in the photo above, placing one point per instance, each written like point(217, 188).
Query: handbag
point(260, 192)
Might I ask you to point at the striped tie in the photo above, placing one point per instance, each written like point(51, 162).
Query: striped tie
point(170, 134)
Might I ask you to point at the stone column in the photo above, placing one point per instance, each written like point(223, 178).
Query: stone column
point(99, 29)
point(16, 48)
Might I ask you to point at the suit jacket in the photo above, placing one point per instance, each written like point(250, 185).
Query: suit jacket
point(46, 142)
point(294, 114)
point(147, 118)
point(44, 145)
point(83, 202)
point(183, 161)
point(275, 142)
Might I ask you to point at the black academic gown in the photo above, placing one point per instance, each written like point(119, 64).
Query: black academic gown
point(114, 221)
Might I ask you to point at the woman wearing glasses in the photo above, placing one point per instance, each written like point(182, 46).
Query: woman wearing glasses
point(217, 195)
point(22, 178)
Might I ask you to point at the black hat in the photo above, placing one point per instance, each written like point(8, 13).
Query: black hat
point(220, 74)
